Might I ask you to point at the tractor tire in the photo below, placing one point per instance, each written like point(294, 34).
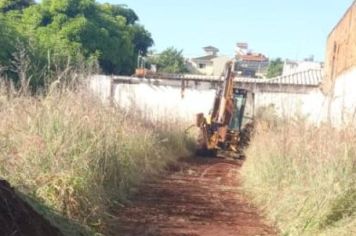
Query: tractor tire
point(204, 152)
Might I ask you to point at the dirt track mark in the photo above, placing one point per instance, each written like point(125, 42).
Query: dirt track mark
point(199, 197)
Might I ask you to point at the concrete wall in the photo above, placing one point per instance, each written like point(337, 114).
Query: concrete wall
point(162, 102)
point(343, 104)
point(341, 48)
point(340, 69)
point(308, 105)
point(101, 86)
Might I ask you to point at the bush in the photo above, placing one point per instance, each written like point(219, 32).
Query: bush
point(304, 177)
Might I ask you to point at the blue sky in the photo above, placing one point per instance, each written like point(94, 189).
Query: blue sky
point(277, 28)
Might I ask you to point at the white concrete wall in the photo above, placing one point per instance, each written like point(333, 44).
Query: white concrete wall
point(100, 85)
point(155, 102)
point(343, 106)
point(160, 102)
point(309, 105)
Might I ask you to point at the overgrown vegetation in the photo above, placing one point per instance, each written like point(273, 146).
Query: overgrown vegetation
point(78, 157)
point(303, 176)
point(60, 145)
point(58, 33)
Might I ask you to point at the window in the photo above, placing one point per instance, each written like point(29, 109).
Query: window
point(202, 66)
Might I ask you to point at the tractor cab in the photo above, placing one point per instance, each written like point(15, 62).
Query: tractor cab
point(242, 109)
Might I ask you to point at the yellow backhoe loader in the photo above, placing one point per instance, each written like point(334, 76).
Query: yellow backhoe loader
point(227, 128)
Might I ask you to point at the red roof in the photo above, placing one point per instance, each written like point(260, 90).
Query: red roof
point(253, 57)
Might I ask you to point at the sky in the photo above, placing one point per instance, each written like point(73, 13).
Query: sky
point(277, 28)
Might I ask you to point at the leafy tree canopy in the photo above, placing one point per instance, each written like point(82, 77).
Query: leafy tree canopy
point(121, 10)
point(74, 30)
point(6, 39)
point(170, 60)
point(8, 5)
point(275, 68)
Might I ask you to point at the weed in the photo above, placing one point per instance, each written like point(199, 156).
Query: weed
point(303, 176)
point(78, 156)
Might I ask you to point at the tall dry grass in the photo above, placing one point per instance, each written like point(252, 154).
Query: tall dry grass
point(79, 157)
point(303, 176)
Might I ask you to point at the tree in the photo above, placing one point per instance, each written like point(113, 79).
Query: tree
point(170, 60)
point(121, 10)
point(84, 28)
point(8, 5)
point(8, 37)
point(275, 68)
point(141, 39)
point(61, 33)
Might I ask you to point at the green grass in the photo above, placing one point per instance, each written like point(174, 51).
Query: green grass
point(77, 157)
point(304, 177)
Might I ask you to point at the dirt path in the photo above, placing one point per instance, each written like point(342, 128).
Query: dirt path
point(198, 197)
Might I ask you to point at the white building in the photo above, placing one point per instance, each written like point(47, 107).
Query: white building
point(291, 67)
point(209, 64)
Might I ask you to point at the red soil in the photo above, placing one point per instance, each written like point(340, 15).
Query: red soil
point(200, 196)
point(17, 218)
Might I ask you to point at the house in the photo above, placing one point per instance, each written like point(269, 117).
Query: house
point(209, 64)
point(340, 68)
point(248, 63)
point(292, 66)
